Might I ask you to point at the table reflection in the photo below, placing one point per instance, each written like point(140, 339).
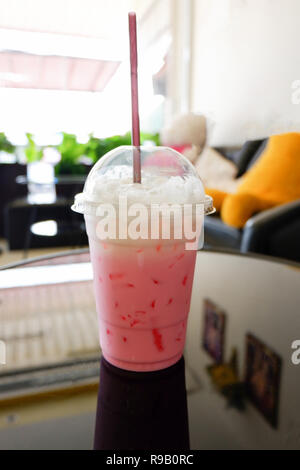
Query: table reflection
point(142, 410)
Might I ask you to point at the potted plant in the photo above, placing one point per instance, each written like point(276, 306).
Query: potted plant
point(5, 145)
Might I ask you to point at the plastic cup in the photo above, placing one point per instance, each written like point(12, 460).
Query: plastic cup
point(143, 272)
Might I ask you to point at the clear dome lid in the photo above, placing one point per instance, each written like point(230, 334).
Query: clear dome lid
point(166, 177)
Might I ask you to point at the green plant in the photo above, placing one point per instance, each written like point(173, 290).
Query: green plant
point(96, 148)
point(155, 138)
point(5, 144)
point(32, 151)
point(72, 151)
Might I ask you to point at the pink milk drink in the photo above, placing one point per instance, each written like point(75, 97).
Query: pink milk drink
point(143, 241)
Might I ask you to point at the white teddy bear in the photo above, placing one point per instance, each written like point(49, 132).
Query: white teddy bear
point(187, 133)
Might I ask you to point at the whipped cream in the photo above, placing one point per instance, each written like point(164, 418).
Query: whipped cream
point(163, 188)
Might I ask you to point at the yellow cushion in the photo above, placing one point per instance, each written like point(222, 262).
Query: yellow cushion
point(274, 179)
point(218, 197)
point(238, 208)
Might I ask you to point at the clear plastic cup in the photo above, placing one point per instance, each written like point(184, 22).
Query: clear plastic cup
point(143, 256)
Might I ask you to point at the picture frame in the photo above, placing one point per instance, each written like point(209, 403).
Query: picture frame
point(213, 331)
point(262, 378)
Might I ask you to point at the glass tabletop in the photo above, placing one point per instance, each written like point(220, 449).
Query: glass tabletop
point(49, 327)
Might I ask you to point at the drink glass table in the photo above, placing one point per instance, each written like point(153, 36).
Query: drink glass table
point(48, 324)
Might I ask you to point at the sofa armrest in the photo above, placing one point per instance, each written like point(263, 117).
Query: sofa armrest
point(275, 232)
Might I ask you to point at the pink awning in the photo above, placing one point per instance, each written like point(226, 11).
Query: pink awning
point(23, 70)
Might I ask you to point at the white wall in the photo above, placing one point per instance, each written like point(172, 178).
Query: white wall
point(245, 63)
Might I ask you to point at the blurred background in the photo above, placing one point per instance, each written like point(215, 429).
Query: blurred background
point(65, 94)
point(219, 81)
point(64, 67)
point(65, 102)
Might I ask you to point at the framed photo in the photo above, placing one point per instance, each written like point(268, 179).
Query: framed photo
point(262, 378)
point(213, 332)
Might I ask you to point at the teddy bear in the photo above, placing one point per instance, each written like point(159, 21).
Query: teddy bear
point(273, 180)
point(187, 134)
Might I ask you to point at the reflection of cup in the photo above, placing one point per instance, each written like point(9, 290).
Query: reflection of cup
point(142, 286)
point(142, 410)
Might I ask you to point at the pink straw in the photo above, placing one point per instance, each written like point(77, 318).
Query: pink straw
point(134, 99)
